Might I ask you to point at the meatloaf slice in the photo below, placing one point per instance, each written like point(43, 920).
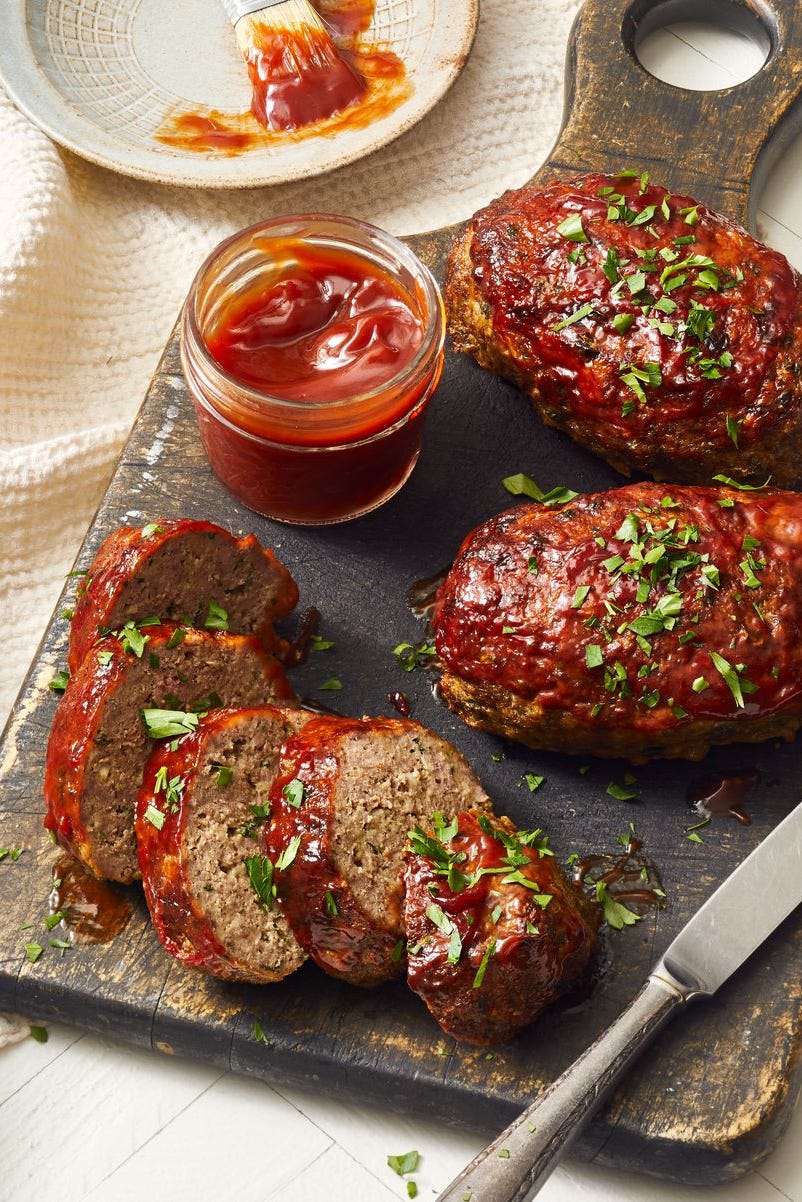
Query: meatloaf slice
point(182, 571)
point(200, 813)
point(98, 743)
point(495, 931)
point(652, 330)
point(346, 794)
point(643, 622)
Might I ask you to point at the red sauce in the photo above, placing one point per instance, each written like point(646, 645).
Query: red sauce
point(290, 107)
point(93, 912)
point(299, 77)
point(723, 795)
point(399, 701)
point(319, 348)
point(326, 325)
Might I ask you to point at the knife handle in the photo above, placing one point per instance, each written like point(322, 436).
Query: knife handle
point(516, 1165)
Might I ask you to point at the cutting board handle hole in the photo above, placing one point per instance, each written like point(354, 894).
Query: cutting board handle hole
point(725, 49)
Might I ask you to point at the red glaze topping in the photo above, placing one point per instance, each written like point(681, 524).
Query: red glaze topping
point(643, 607)
point(324, 914)
point(326, 326)
point(298, 77)
point(639, 318)
point(495, 932)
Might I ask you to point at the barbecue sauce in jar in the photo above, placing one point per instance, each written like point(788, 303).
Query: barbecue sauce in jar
point(311, 346)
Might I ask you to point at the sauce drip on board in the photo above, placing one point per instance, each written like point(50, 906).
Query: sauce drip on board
point(323, 325)
point(723, 795)
point(93, 912)
point(423, 594)
point(630, 878)
point(399, 701)
point(298, 651)
point(212, 131)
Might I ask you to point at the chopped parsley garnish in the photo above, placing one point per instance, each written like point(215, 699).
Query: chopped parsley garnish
point(582, 312)
point(132, 639)
point(155, 816)
point(293, 793)
point(448, 928)
point(533, 782)
point(332, 685)
point(168, 724)
point(289, 853)
point(572, 229)
point(482, 969)
point(317, 643)
point(616, 914)
point(254, 824)
point(258, 1033)
point(260, 875)
point(216, 618)
point(60, 681)
point(151, 528)
point(620, 793)
point(33, 951)
point(38, 1033)
point(11, 853)
point(521, 485)
point(736, 683)
point(411, 656)
point(593, 655)
point(733, 430)
point(176, 638)
point(223, 775)
point(405, 1163)
point(721, 479)
point(331, 905)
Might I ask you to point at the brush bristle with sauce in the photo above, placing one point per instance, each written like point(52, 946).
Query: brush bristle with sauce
point(298, 74)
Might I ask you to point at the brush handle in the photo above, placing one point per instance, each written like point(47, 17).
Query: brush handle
point(236, 9)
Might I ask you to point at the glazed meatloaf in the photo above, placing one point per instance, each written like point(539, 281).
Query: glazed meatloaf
point(98, 742)
point(346, 794)
point(652, 330)
point(641, 622)
point(182, 571)
point(495, 932)
point(201, 809)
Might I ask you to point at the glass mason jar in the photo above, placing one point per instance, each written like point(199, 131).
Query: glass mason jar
point(318, 459)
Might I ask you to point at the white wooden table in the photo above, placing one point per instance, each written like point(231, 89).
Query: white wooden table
point(86, 1118)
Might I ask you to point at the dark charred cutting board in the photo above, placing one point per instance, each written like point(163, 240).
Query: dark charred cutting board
point(714, 1093)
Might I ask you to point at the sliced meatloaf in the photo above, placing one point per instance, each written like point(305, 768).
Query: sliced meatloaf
point(642, 622)
point(346, 794)
point(495, 932)
point(200, 815)
point(98, 743)
point(182, 571)
point(654, 331)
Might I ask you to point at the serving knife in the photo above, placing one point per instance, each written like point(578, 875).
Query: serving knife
point(722, 934)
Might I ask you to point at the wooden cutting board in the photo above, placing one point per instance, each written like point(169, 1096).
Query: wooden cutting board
point(714, 1094)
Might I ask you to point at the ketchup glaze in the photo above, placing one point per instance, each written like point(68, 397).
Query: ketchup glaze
point(311, 346)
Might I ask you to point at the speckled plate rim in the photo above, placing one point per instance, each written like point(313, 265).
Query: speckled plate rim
point(38, 99)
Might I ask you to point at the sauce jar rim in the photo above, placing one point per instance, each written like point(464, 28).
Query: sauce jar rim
point(299, 225)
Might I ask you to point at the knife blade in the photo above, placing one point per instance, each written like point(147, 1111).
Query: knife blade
point(713, 944)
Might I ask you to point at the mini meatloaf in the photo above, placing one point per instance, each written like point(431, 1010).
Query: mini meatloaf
point(641, 622)
point(347, 793)
point(495, 932)
point(652, 330)
point(201, 809)
point(99, 743)
point(184, 571)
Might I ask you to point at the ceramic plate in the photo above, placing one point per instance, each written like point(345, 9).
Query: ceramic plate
point(101, 77)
